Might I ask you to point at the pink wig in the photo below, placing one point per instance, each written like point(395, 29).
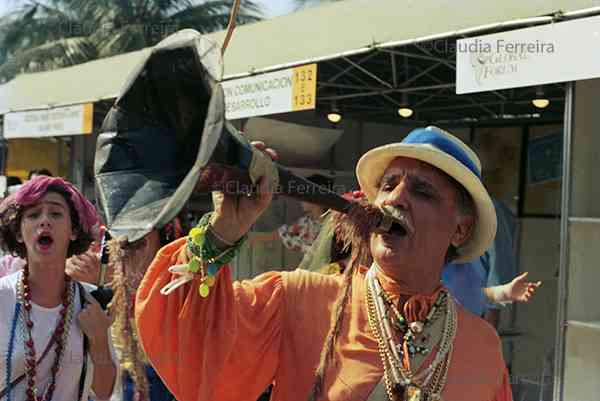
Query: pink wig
point(34, 189)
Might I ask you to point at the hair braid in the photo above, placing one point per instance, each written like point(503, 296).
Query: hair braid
point(353, 230)
point(122, 256)
point(334, 331)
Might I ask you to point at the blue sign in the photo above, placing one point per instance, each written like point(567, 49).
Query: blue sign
point(544, 159)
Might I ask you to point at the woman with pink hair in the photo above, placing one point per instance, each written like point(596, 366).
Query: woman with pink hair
point(55, 336)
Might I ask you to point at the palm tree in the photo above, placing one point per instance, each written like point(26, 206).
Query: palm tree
point(40, 36)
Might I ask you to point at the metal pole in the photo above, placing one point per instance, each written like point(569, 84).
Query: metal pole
point(386, 91)
point(563, 269)
point(369, 73)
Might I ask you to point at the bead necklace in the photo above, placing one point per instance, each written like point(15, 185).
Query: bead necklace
point(61, 334)
point(413, 329)
point(408, 337)
point(423, 377)
point(428, 383)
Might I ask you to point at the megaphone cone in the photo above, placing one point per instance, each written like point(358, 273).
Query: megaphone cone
point(166, 137)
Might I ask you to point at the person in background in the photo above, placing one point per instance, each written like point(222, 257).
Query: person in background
point(299, 235)
point(483, 284)
point(55, 334)
point(13, 180)
point(38, 172)
point(501, 257)
point(13, 183)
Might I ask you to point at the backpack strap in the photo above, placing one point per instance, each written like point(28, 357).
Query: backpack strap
point(86, 345)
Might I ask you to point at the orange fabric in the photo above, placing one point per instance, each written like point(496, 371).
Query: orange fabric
point(245, 335)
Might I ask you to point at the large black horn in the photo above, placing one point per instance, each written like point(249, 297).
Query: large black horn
point(166, 136)
point(230, 164)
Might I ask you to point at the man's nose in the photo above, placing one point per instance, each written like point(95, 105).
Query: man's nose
point(399, 196)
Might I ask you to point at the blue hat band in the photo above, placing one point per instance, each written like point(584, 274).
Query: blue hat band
point(422, 136)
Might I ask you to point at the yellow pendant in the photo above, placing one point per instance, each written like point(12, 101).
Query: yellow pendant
point(203, 289)
point(209, 280)
point(412, 393)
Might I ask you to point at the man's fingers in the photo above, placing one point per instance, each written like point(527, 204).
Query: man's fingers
point(71, 263)
point(260, 145)
point(265, 193)
point(521, 277)
point(272, 154)
point(218, 199)
point(88, 258)
point(77, 264)
point(84, 264)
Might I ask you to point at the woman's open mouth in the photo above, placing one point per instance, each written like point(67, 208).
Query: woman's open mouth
point(45, 241)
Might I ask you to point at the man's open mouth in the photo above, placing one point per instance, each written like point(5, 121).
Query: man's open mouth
point(397, 229)
point(395, 222)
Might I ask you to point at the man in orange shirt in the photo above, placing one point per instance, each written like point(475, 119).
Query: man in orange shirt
point(388, 331)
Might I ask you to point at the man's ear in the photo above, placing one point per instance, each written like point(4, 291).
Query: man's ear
point(19, 237)
point(464, 229)
point(74, 234)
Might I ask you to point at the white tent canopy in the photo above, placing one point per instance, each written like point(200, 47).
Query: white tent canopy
point(320, 33)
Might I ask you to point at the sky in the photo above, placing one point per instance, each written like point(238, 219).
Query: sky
point(4, 6)
point(272, 8)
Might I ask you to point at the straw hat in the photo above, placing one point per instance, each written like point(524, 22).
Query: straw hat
point(438, 148)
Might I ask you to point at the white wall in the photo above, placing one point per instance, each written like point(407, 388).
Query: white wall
point(582, 356)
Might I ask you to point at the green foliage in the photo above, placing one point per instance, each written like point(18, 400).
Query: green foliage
point(40, 36)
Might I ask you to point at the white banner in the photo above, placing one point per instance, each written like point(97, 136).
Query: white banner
point(559, 52)
point(60, 121)
point(276, 92)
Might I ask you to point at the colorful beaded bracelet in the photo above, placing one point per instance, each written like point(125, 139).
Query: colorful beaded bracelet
point(207, 258)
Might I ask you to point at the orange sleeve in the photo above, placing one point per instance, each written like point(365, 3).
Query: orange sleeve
point(223, 347)
point(504, 393)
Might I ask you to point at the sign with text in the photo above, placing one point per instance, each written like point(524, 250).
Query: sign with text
point(283, 91)
point(558, 52)
point(59, 121)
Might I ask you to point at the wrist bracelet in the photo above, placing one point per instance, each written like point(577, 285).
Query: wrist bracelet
point(207, 256)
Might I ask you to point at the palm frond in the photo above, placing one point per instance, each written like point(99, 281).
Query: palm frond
point(214, 15)
point(36, 24)
point(44, 34)
point(128, 38)
point(56, 54)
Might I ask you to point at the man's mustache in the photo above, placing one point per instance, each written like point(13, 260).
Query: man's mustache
point(391, 215)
